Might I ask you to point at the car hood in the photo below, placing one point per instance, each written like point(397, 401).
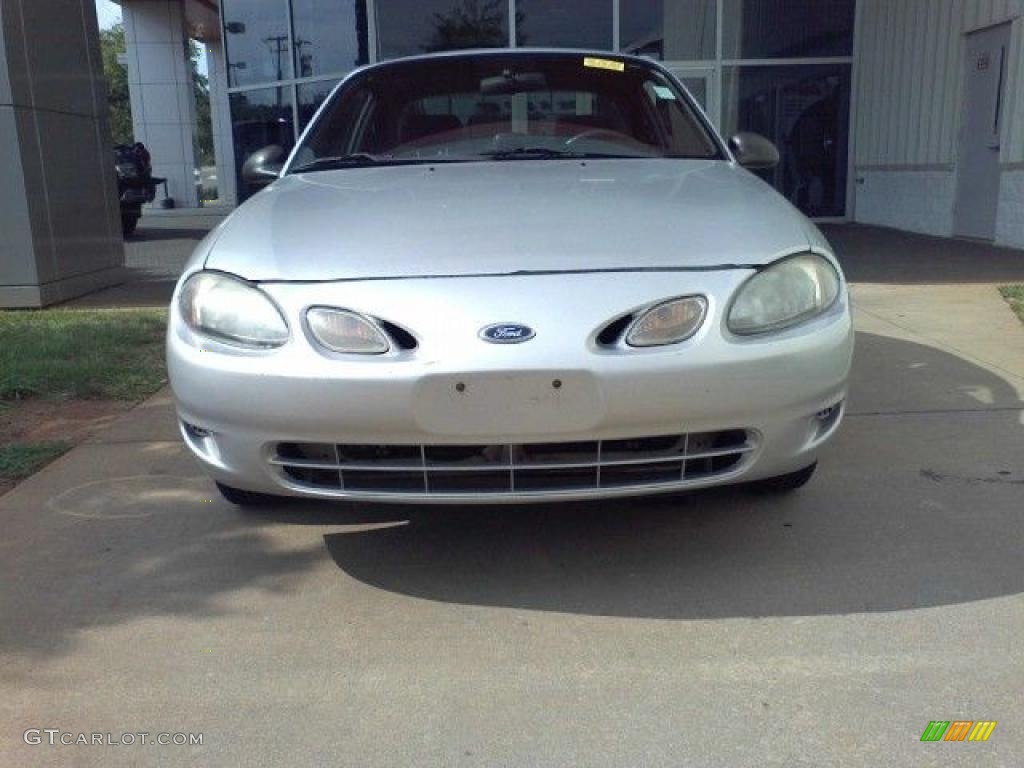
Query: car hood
point(508, 217)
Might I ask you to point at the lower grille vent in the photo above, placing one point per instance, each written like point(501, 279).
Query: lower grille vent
point(518, 468)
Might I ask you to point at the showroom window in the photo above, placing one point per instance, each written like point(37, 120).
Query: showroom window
point(778, 67)
point(565, 23)
point(786, 29)
point(669, 31)
point(283, 59)
point(330, 36)
point(410, 27)
point(805, 110)
point(257, 41)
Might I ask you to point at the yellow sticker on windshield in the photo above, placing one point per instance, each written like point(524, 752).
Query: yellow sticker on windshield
point(615, 66)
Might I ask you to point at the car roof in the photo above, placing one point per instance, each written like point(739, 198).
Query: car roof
point(513, 53)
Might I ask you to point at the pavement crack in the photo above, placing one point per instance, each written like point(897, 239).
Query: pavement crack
point(942, 477)
point(936, 411)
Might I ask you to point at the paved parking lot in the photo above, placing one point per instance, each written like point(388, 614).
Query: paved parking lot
point(723, 629)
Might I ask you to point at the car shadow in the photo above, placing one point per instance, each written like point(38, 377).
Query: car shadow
point(908, 510)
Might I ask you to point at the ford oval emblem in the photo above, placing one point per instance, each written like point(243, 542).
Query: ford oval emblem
point(507, 333)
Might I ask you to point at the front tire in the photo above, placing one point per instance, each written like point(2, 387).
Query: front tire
point(785, 483)
point(245, 499)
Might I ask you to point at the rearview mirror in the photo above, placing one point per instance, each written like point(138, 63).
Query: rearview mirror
point(264, 165)
point(510, 82)
point(754, 151)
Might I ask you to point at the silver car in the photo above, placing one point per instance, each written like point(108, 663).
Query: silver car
point(508, 276)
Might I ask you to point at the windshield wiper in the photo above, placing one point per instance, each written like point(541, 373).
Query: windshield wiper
point(354, 160)
point(547, 153)
point(531, 153)
point(366, 159)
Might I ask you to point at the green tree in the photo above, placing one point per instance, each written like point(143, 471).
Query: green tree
point(201, 91)
point(111, 46)
point(473, 24)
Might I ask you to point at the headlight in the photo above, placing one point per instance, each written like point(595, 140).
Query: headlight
point(127, 170)
point(344, 331)
point(230, 309)
point(668, 323)
point(788, 292)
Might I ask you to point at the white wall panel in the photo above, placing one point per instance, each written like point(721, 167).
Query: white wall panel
point(909, 59)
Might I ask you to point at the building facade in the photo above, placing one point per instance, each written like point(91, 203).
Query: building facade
point(780, 67)
point(902, 113)
point(938, 133)
point(60, 229)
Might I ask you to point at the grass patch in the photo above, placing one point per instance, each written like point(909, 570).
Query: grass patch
point(115, 354)
point(1014, 294)
point(19, 460)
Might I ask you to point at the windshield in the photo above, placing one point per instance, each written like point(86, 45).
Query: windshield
point(503, 107)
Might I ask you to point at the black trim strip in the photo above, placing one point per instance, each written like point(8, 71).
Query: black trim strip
point(518, 273)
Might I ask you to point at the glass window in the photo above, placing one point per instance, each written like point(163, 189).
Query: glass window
point(256, 41)
point(772, 29)
point(410, 27)
point(564, 23)
point(509, 107)
point(310, 97)
point(698, 88)
point(330, 36)
point(669, 30)
point(805, 111)
point(258, 119)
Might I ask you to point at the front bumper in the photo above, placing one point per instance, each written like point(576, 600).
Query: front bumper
point(238, 408)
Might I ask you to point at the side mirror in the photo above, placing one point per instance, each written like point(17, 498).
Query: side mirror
point(264, 165)
point(754, 151)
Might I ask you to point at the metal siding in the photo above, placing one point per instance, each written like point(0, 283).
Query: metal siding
point(905, 38)
point(870, 83)
point(1013, 136)
point(951, 107)
point(887, 149)
point(928, 129)
point(912, 138)
point(910, 60)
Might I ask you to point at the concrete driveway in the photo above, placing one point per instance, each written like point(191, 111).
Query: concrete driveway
point(722, 629)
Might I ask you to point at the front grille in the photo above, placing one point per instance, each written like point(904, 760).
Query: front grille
point(504, 469)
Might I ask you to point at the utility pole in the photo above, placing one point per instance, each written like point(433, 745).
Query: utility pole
point(278, 47)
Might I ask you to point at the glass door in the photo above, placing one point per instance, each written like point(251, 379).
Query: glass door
point(700, 81)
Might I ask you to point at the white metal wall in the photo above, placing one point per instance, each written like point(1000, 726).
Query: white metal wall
point(908, 81)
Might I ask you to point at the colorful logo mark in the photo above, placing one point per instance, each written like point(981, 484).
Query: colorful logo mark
point(958, 730)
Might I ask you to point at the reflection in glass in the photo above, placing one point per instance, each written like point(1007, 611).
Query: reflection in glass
point(668, 30)
point(310, 97)
point(698, 88)
point(330, 36)
point(564, 23)
point(258, 119)
point(805, 111)
point(256, 41)
point(772, 29)
point(410, 27)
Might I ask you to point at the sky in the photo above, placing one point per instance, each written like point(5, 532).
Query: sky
point(109, 13)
